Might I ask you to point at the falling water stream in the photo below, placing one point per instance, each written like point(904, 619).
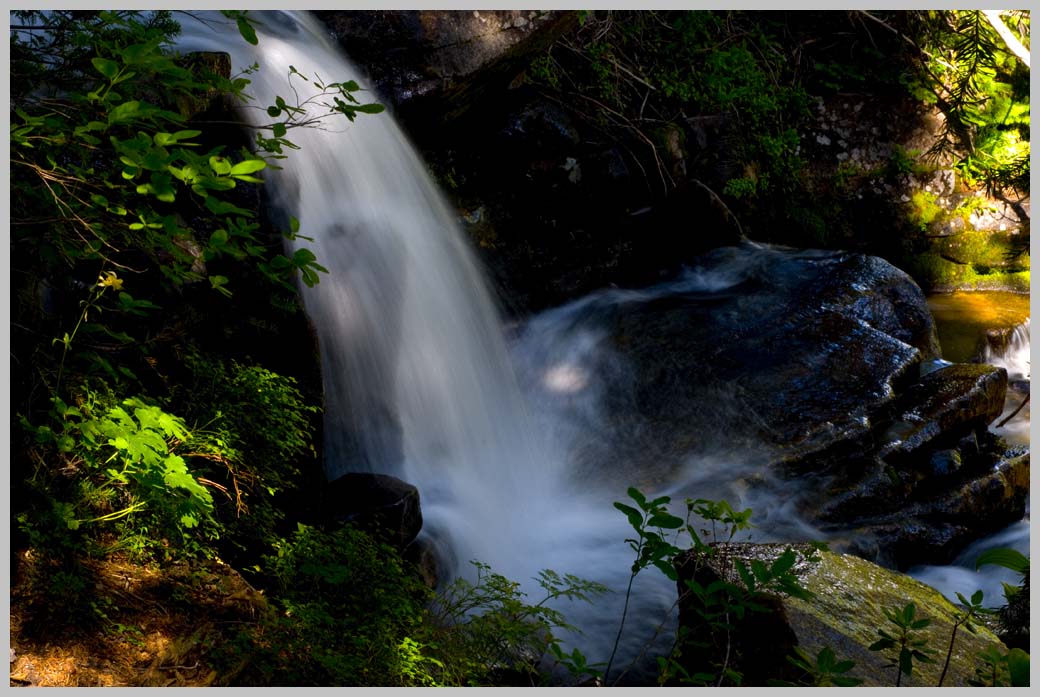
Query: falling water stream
point(421, 381)
point(414, 357)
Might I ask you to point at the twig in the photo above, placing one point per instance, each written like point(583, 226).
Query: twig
point(1012, 414)
point(722, 203)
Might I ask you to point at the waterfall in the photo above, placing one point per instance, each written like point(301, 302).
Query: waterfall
point(417, 373)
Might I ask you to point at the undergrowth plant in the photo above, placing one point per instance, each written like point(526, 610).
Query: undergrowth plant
point(736, 590)
point(487, 627)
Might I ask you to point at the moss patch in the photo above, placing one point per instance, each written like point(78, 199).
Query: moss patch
point(995, 250)
point(848, 609)
point(939, 275)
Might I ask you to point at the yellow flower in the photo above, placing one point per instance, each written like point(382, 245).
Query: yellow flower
point(110, 279)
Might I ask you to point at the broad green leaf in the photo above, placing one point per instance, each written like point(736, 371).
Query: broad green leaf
point(783, 563)
point(246, 30)
point(906, 662)
point(220, 165)
point(126, 111)
point(108, 68)
point(369, 108)
point(248, 167)
point(665, 520)
point(1006, 557)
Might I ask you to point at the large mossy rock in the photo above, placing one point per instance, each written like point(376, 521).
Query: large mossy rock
point(845, 613)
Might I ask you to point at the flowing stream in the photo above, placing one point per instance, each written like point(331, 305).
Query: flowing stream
point(495, 433)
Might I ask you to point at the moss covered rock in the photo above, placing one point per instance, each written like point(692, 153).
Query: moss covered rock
point(938, 274)
point(845, 613)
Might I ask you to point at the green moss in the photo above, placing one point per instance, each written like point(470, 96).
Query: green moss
point(847, 610)
point(936, 274)
point(924, 209)
point(983, 249)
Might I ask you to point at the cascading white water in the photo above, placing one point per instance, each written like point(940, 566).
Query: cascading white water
point(1014, 357)
point(418, 378)
point(1013, 423)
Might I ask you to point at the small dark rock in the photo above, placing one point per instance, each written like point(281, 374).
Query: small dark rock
point(377, 503)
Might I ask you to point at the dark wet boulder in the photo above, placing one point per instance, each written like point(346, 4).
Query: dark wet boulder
point(820, 368)
point(845, 612)
point(377, 503)
point(800, 351)
point(949, 403)
point(902, 520)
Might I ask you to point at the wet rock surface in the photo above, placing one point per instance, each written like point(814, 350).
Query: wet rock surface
point(797, 350)
point(824, 365)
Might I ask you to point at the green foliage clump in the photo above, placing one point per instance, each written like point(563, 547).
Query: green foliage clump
point(259, 431)
point(969, 71)
point(346, 609)
point(101, 461)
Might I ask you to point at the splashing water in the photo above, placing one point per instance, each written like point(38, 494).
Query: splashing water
point(1013, 357)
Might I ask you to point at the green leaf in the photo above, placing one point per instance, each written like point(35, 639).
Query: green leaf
point(108, 68)
point(220, 165)
point(278, 129)
point(783, 563)
point(218, 283)
point(248, 167)
point(906, 663)
point(665, 520)
point(126, 111)
point(246, 30)
point(369, 108)
point(667, 569)
point(1006, 557)
point(1018, 665)
point(745, 575)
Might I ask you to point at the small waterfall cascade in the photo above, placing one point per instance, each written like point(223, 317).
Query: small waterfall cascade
point(504, 439)
point(1014, 355)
